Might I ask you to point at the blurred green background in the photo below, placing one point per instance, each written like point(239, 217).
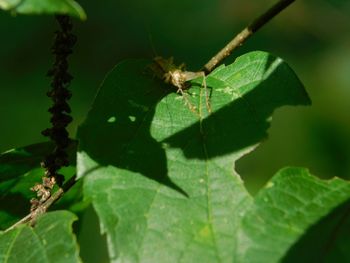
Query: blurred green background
point(312, 36)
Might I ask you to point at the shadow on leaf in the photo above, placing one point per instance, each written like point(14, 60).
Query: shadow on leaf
point(243, 122)
point(326, 241)
point(117, 130)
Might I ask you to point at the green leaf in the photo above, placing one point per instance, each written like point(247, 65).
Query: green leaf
point(38, 7)
point(283, 211)
point(161, 175)
point(326, 241)
point(16, 162)
point(51, 240)
point(20, 170)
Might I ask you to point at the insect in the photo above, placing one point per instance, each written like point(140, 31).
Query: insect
point(178, 77)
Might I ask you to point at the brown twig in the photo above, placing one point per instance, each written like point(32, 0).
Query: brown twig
point(24, 220)
point(239, 39)
point(41, 209)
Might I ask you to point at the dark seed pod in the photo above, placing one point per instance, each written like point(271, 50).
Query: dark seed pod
point(63, 44)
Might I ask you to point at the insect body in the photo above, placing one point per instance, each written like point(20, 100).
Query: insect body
point(176, 76)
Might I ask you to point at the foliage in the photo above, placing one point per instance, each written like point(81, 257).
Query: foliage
point(19, 171)
point(51, 240)
point(159, 169)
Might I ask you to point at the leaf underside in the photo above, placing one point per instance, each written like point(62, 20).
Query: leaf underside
point(39, 7)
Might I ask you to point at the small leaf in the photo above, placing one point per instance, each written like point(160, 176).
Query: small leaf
point(19, 171)
point(38, 7)
point(290, 203)
point(163, 184)
point(16, 162)
point(51, 240)
point(326, 241)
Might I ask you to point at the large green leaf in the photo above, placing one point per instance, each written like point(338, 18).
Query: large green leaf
point(51, 240)
point(140, 145)
point(66, 7)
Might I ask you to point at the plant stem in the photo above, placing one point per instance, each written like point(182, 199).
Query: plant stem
point(41, 209)
point(24, 220)
point(239, 39)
